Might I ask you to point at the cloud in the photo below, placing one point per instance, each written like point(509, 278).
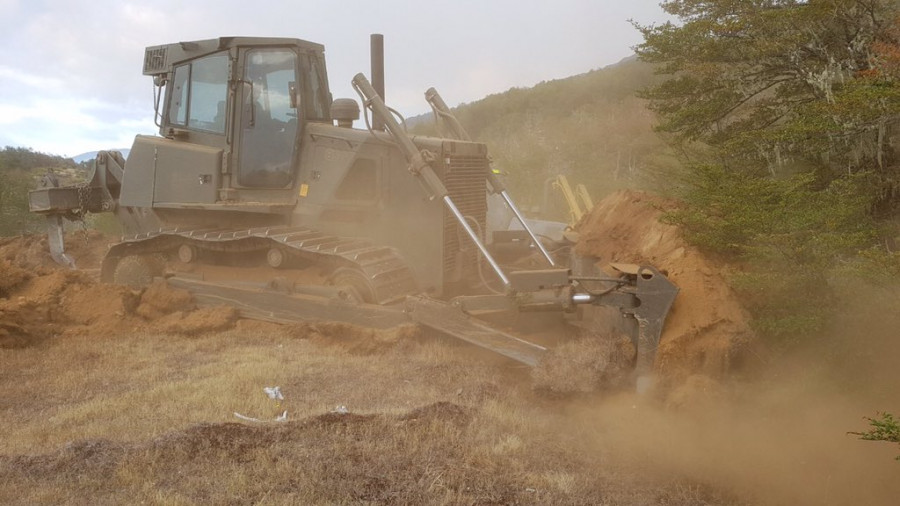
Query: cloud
point(71, 127)
point(12, 77)
point(80, 62)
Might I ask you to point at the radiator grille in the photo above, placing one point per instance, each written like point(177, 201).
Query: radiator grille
point(464, 177)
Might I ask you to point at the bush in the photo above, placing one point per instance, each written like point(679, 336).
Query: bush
point(885, 428)
point(15, 218)
point(790, 236)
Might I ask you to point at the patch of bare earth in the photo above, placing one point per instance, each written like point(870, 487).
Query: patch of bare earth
point(38, 299)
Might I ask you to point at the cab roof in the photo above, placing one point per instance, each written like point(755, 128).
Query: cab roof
point(160, 59)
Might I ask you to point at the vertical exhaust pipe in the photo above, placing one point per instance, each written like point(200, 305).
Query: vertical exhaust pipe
point(376, 43)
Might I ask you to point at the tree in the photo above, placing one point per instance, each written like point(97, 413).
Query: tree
point(789, 115)
point(781, 86)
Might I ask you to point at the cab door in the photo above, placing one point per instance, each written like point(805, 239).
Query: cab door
point(269, 122)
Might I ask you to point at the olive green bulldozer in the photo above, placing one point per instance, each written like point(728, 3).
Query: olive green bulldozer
point(259, 192)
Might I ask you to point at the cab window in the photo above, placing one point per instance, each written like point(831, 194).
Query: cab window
point(199, 91)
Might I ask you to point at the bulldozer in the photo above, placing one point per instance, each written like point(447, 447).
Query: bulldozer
point(261, 193)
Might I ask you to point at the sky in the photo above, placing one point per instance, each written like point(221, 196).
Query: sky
point(71, 82)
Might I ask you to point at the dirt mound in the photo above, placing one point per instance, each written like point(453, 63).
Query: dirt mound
point(707, 327)
point(39, 298)
point(92, 457)
point(199, 321)
point(584, 365)
point(100, 456)
point(86, 247)
point(160, 299)
point(11, 276)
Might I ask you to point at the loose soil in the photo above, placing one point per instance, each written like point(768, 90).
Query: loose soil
point(39, 299)
point(707, 331)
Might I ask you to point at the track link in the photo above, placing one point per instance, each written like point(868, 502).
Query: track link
point(390, 277)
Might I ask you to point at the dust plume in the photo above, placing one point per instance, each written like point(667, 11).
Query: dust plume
point(773, 430)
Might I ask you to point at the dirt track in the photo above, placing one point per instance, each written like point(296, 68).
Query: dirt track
point(117, 395)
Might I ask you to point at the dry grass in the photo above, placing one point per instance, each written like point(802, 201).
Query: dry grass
point(149, 418)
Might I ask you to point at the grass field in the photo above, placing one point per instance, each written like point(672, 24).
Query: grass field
point(148, 418)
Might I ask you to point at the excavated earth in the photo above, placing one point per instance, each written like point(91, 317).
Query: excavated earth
point(707, 331)
point(38, 299)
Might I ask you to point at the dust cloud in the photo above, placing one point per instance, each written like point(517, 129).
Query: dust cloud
point(778, 440)
point(771, 428)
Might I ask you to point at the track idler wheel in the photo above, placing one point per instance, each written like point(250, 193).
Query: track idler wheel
point(138, 271)
point(187, 253)
point(354, 285)
point(276, 258)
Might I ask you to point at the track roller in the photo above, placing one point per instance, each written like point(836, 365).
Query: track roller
point(275, 257)
point(187, 253)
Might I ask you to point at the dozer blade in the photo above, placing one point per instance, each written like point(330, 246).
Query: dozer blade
point(280, 307)
point(450, 320)
point(258, 303)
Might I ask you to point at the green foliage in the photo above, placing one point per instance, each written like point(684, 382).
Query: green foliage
point(789, 112)
point(793, 220)
point(789, 234)
point(784, 86)
point(19, 169)
point(884, 428)
point(15, 218)
point(788, 305)
point(26, 159)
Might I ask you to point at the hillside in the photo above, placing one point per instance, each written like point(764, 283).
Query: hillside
point(20, 169)
point(590, 127)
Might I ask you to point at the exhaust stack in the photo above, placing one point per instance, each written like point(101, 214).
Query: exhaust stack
point(376, 42)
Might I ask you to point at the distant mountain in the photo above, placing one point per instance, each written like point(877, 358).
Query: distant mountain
point(90, 155)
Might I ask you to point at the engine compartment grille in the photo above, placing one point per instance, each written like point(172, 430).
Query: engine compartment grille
point(464, 178)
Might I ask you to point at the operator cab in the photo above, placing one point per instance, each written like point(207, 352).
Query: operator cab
point(231, 112)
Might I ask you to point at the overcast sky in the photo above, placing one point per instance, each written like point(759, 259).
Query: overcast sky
point(70, 75)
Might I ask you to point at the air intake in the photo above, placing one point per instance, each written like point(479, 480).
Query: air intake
point(155, 60)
